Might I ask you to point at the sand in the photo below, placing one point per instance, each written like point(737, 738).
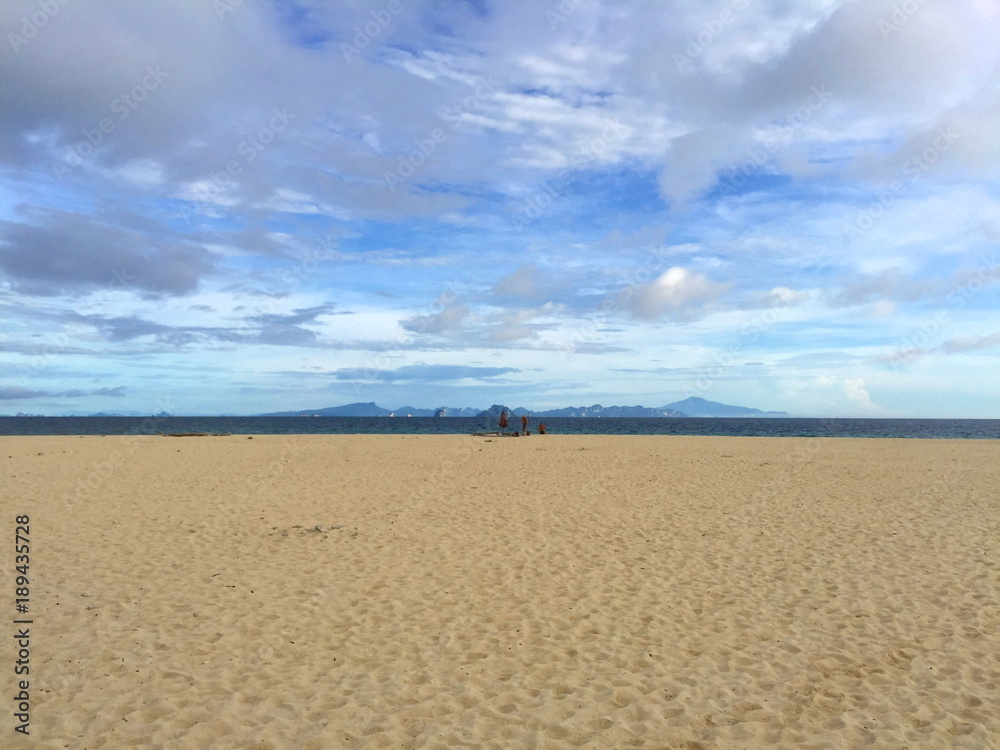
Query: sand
point(541, 592)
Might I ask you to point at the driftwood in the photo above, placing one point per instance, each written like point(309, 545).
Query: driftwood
point(195, 434)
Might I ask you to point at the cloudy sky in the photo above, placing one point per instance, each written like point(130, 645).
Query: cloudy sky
point(226, 206)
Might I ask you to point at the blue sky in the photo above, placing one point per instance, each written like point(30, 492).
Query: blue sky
point(235, 207)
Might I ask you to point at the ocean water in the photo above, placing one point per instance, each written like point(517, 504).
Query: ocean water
point(981, 429)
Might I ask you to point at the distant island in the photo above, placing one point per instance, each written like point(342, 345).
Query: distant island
point(699, 407)
point(689, 407)
point(371, 409)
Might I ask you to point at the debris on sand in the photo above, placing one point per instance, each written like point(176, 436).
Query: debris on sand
point(195, 434)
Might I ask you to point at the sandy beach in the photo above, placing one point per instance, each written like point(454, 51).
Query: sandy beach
point(314, 591)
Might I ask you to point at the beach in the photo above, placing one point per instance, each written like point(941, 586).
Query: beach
point(376, 591)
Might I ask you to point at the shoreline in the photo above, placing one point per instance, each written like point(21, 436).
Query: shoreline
point(916, 429)
point(569, 590)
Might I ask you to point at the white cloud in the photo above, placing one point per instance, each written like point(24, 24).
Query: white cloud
point(677, 293)
point(142, 173)
point(971, 343)
point(838, 396)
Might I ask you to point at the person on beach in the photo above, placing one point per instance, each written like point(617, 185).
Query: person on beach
point(541, 428)
point(524, 423)
point(503, 420)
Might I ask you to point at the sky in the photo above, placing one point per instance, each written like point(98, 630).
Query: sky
point(226, 206)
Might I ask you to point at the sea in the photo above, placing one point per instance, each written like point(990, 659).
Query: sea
point(969, 429)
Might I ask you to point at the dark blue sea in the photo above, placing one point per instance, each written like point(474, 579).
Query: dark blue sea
point(977, 429)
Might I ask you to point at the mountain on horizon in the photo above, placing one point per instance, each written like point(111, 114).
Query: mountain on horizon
point(611, 412)
point(689, 407)
point(441, 411)
point(371, 409)
point(699, 407)
point(128, 414)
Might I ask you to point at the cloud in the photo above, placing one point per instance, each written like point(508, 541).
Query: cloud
point(449, 321)
point(678, 294)
point(519, 324)
point(891, 285)
point(903, 355)
point(286, 335)
point(65, 253)
point(779, 296)
point(851, 389)
point(285, 329)
point(276, 329)
point(970, 343)
point(116, 392)
point(696, 158)
point(423, 373)
point(521, 283)
point(854, 389)
point(126, 328)
point(11, 393)
point(819, 360)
